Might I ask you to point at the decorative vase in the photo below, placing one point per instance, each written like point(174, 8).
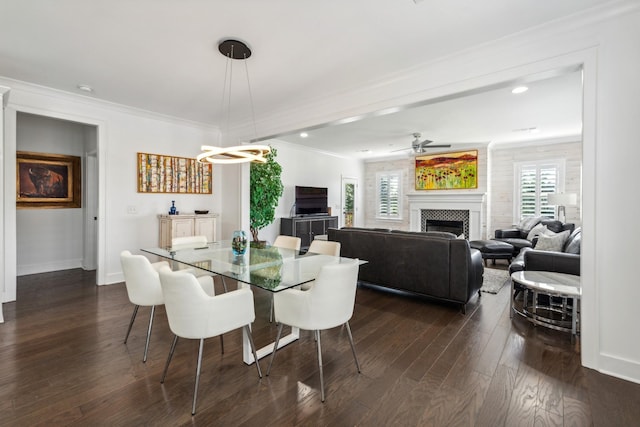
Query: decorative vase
point(172, 209)
point(239, 242)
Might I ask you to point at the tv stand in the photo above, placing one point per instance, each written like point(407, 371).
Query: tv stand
point(307, 227)
point(312, 215)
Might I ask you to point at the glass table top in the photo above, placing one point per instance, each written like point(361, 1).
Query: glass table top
point(270, 268)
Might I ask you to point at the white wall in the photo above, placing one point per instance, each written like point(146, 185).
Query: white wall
point(503, 157)
point(314, 169)
point(604, 40)
point(122, 132)
point(407, 165)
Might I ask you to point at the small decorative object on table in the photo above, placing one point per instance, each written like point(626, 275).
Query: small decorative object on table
point(172, 209)
point(201, 212)
point(239, 242)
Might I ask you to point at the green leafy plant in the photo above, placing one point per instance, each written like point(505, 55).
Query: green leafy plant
point(266, 188)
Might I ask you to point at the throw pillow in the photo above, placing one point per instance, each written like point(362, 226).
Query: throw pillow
point(553, 243)
point(536, 231)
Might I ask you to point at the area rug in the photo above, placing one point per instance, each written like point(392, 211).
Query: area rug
point(494, 280)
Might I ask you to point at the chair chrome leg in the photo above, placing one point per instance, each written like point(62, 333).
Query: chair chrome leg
point(171, 350)
point(271, 310)
point(253, 348)
point(146, 345)
point(353, 347)
point(320, 365)
point(133, 317)
point(224, 284)
point(275, 347)
point(195, 390)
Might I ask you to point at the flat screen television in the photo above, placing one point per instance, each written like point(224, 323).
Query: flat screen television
point(311, 201)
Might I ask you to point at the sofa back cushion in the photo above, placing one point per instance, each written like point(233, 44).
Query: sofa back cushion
point(526, 224)
point(443, 234)
point(572, 245)
point(557, 226)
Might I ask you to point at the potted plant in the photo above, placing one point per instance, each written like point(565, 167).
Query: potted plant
point(266, 188)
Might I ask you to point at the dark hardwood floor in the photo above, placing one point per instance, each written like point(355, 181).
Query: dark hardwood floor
point(63, 362)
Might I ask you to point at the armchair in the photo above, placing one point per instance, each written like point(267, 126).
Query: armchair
point(565, 261)
point(521, 236)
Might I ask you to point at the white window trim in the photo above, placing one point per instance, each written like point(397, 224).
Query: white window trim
point(560, 164)
point(400, 196)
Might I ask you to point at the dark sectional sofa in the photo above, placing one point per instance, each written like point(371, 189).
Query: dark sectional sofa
point(431, 264)
point(566, 261)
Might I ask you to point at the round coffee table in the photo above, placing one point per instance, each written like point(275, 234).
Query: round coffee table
point(550, 299)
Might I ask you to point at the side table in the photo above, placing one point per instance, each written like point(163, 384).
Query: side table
point(550, 299)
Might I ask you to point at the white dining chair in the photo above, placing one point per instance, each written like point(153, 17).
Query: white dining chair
point(193, 314)
point(284, 242)
point(287, 242)
point(328, 304)
point(143, 288)
point(322, 247)
point(325, 247)
point(193, 242)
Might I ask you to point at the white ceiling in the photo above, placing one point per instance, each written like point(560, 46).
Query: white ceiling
point(550, 109)
point(161, 56)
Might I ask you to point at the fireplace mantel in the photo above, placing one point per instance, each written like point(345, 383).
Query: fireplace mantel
point(472, 202)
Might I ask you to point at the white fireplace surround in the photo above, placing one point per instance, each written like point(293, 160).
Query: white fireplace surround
point(461, 201)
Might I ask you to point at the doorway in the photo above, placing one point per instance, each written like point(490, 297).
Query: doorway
point(348, 214)
point(58, 239)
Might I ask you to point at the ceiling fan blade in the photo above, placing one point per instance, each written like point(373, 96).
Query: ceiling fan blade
point(437, 146)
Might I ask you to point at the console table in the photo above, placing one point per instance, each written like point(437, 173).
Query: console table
point(307, 227)
point(550, 299)
point(172, 226)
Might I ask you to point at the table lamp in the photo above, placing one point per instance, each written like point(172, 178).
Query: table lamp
point(560, 200)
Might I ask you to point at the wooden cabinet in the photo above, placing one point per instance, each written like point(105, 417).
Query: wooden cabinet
point(307, 227)
point(186, 225)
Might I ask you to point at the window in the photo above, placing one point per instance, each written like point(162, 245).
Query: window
point(534, 180)
point(389, 190)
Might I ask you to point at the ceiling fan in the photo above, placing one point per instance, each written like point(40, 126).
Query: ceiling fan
point(420, 147)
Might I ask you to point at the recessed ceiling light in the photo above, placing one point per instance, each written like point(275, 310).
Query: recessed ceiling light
point(520, 89)
point(85, 88)
point(303, 134)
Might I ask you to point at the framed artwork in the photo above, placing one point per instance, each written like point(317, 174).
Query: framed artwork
point(46, 181)
point(158, 173)
point(447, 171)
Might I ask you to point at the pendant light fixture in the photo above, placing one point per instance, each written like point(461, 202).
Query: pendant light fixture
point(234, 50)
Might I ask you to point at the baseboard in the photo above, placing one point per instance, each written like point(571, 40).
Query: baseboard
point(114, 278)
point(23, 270)
point(628, 370)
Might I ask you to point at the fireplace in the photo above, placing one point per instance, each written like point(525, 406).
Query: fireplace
point(464, 207)
point(455, 227)
point(454, 221)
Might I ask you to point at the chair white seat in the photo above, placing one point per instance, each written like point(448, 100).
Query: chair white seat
point(193, 242)
point(284, 242)
point(193, 314)
point(143, 288)
point(323, 247)
point(328, 304)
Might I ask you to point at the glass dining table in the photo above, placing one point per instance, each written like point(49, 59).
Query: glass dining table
point(270, 268)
